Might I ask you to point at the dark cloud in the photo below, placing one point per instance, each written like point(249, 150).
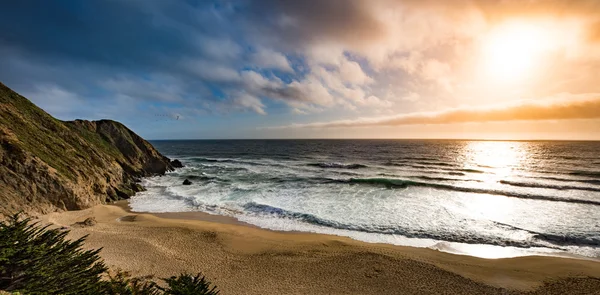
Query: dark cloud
point(84, 47)
point(109, 33)
point(356, 21)
point(347, 21)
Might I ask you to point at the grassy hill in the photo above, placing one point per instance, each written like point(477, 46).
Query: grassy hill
point(47, 164)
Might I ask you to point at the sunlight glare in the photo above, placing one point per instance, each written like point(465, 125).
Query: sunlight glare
point(500, 157)
point(512, 50)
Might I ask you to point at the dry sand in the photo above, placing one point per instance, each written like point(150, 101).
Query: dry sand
point(242, 259)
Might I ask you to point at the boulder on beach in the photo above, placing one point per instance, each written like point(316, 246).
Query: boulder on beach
point(90, 221)
point(187, 182)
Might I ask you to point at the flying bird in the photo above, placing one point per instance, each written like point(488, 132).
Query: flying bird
point(166, 117)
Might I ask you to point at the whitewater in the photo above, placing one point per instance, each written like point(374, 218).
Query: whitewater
point(484, 198)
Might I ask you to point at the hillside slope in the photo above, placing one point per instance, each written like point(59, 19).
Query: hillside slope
point(48, 165)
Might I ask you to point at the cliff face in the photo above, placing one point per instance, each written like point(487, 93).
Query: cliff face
point(48, 165)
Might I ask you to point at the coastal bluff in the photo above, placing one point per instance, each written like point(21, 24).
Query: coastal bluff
point(51, 165)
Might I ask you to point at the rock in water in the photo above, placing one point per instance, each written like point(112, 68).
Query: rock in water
point(47, 164)
point(176, 164)
point(187, 182)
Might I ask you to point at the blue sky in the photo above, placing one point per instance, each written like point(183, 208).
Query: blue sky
point(278, 69)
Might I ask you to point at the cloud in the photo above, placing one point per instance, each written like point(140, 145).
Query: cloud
point(219, 48)
point(270, 59)
point(412, 97)
point(247, 101)
point(67, 105)
point(594, 32)
point(558, 109)
point(54, 99)
point(211, 71)
point(300, 21)
point(351, 72)
point(208, 58)
point(157, 89)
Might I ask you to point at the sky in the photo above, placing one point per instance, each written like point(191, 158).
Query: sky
point(487, 69)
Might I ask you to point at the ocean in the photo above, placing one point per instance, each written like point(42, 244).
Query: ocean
point(483, 198)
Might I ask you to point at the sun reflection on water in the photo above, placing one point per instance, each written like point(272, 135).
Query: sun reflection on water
point(491, 162)
point(498, 159)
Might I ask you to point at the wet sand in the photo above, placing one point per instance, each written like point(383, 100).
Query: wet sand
point(242, 259)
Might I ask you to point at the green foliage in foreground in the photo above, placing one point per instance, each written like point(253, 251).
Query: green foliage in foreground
point(37, 260)
point(188, 284)
point(121, 284)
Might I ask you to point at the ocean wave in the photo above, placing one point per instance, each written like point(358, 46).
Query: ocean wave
point(401, 183)
point(288, 179)
point(420, 161)
point(549, 186)
point(444, 178)
point(456, 173)
point(209, 160)
point(441, 168)
point(584, 173)
point(431, 178)
point(219, 168)
point(471, 170)
point(337, 165)
point(560, 240)
point(588, 181)
point(441, 164)
point(271, 211)
point(592, 174)
point(568, 240)
point(198, 177)
point(234, 161)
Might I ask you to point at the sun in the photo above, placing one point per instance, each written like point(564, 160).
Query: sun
point(511, 51)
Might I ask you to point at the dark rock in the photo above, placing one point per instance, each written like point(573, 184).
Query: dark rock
point(136, 187)
point(124, 193)
point(176, 164)
point(90, 221)
point(187, 182)
point(128, 218)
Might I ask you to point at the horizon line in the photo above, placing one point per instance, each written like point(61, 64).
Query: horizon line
point(374, 138)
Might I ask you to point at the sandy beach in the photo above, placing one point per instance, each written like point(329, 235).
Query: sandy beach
point(242, 259)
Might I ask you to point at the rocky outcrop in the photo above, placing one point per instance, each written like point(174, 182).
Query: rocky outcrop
point(176, 164)
point(187, 182)
point(48, 165)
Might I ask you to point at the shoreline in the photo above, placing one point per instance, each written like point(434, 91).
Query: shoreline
point(250, 260)
point(190, 215)
point(455, 248)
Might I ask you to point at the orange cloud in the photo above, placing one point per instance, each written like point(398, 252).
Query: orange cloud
point(563, 109)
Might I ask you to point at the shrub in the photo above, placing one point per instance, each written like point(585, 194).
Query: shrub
point(121, 284)
point(36, 260)
point(186, 284)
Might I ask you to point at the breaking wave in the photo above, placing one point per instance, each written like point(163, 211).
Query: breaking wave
point(337, 165)
point(401, 183)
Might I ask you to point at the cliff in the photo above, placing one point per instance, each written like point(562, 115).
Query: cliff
point(47, 164)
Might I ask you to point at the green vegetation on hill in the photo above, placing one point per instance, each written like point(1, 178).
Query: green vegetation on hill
point(47, 164)
point(37, 260)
